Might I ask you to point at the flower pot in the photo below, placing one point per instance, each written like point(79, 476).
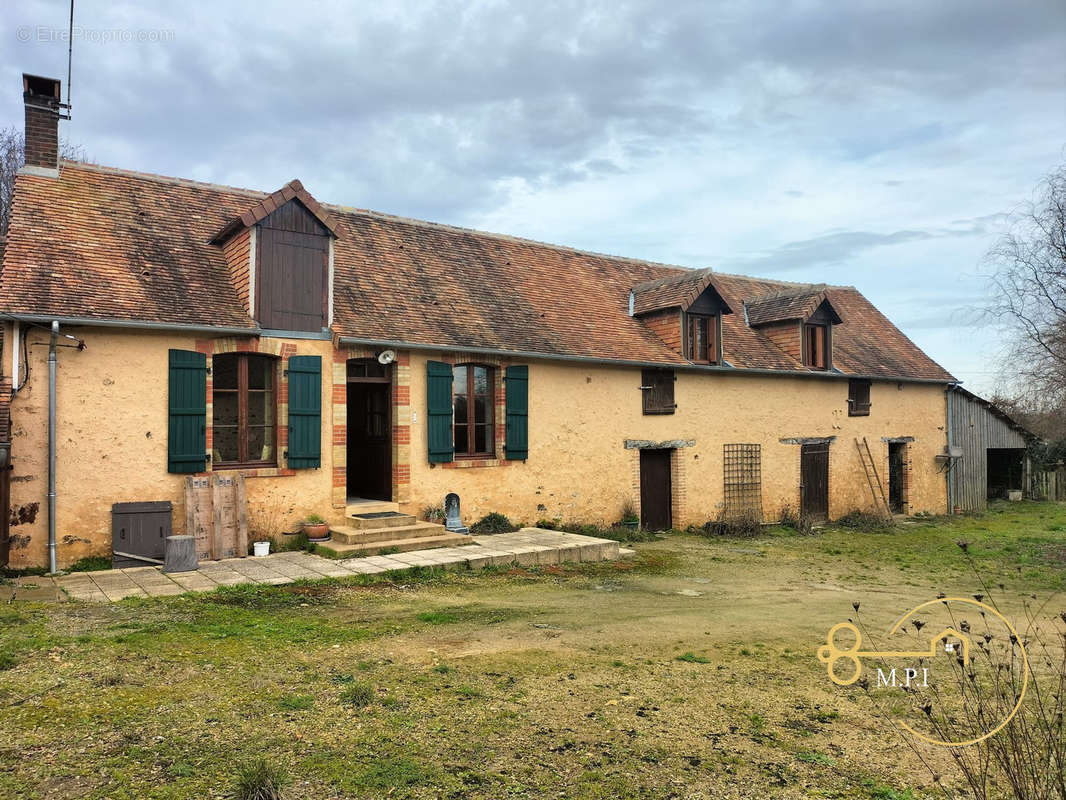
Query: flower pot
point(632, 524)
point(260, 549)
point(318, 532)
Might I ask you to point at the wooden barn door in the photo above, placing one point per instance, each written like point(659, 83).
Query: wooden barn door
point(655, 490)
point(814, 481)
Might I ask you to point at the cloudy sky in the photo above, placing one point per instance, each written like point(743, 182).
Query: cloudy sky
point(871, 144)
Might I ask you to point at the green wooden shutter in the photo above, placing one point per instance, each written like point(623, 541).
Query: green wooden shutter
point(305, 412)
point(439, 412)
point(517, 393)
point(187, 429)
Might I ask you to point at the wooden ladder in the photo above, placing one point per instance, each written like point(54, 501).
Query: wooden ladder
point(869, 466)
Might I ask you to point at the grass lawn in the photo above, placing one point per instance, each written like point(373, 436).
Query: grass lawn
point(689, 672)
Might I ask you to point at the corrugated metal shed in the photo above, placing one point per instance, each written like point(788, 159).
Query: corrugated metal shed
point(976, 426)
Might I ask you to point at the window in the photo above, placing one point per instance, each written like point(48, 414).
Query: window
point(473, 410)
point(657, 386)
point(815, 353)
point(244, 410)
point(858, 398)
point(701, 338)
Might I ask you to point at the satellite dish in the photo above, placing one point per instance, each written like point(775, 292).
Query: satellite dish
point(386, 357)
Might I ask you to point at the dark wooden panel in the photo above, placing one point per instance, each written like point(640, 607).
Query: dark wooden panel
point(293, 275)
point(895, 476)
point(369, 441)
point(294, 217)
point(655, 490)
point(814, 481)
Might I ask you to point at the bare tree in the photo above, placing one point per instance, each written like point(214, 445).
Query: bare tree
point(1029, 301)
point(12, 157)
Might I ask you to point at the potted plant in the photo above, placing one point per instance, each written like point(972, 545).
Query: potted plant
point(316, 528)
point(261, 547)
point(630, 518)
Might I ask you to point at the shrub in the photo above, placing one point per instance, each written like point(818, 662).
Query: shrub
point(742, 526)
point(314, 519)
point(868, 521)
point(492, 523)
point(358, 695)
point(433, 513)
point(629, 512)
point(260, 780)
point(7, 661)
point(548, 524)
point(797, 522)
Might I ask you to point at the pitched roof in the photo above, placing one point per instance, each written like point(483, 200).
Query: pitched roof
point(102, 243)
point(679, 291)
point(293, 190)
point(783, 306)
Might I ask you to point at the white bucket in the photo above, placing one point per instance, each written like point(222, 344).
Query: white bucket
point(260, 549)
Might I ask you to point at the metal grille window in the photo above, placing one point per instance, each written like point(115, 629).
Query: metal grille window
point(657, 386)
point(742, 468)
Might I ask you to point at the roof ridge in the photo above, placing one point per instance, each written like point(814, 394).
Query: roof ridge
point(255, 193)
point(152, 176)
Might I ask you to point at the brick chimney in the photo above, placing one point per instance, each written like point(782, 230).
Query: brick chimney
point(42, 99)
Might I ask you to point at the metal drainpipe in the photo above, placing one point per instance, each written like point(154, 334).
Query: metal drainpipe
point(52, 448)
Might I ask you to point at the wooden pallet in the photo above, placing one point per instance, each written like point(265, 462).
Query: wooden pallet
point(216, 514)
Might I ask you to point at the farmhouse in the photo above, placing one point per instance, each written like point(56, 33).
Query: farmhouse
point(345, 361)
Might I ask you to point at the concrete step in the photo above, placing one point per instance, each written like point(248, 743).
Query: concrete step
point(348, 535)
point(369, 507)
point(380, 519)
point(396, 545)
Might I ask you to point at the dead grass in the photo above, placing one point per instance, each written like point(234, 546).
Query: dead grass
point(689, 673)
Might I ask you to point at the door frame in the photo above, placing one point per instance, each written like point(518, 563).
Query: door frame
point(808, 449)
point(667, 455)
point(386, 382)
point(897, 484)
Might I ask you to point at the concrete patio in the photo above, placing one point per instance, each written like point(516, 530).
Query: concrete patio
point(526, 547)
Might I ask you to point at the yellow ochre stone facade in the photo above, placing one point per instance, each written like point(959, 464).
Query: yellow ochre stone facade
point(112, 440)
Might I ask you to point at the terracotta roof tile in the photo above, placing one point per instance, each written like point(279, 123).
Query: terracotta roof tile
point(109, 244)
point(794, 304)
point(672, 291)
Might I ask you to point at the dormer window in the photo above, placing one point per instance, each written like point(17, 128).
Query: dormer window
point(701, 338)
point(685, 311)
point(279, 254)
point(816, 346)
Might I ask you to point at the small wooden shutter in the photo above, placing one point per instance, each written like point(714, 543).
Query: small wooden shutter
point(516, 446)
point(187, 429)
point(439, 412)
point(305, 412)
point(657, 387)
point(858, 398)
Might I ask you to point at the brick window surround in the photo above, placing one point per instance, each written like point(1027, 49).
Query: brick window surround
point(499, 410)
point(271, 347)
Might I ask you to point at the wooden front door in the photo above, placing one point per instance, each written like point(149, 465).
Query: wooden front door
point(814, 481)
point(655, 490)
point(369, 441)
point(895, 476)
